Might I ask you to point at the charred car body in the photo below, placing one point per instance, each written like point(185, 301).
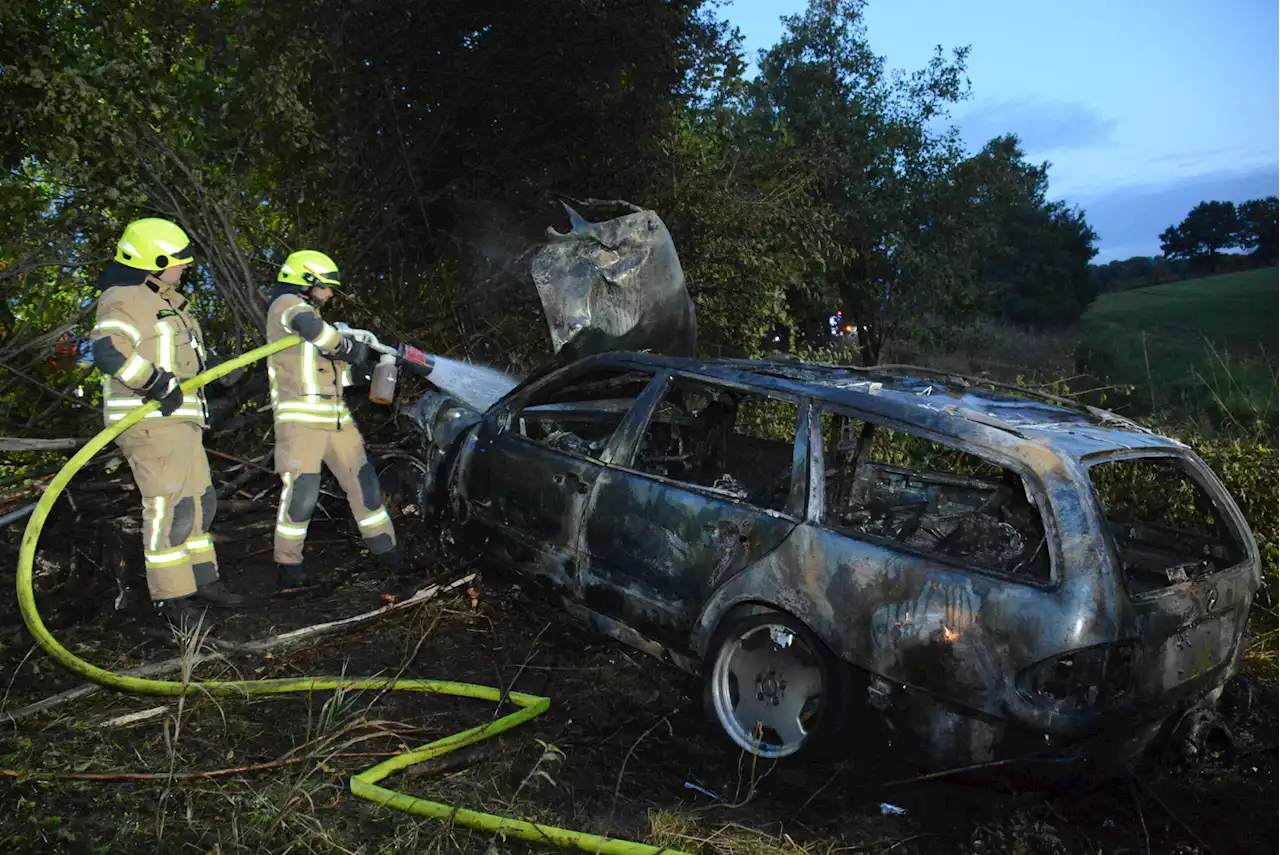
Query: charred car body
point(990, 574)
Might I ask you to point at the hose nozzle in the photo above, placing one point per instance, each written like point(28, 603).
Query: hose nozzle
point(417, 361)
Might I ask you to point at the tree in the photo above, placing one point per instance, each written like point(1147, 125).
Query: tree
point(878, 173)
point(418, 143)
point(415, 142)
point(1258, 227)
point(1033, 254)
point(1136, 272)
point(1208, 229)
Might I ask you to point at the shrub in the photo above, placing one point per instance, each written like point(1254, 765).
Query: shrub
point(1249, 469)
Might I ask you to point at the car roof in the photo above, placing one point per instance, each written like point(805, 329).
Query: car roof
point(977, 410)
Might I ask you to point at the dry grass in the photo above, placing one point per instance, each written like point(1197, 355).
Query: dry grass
point(689, 832)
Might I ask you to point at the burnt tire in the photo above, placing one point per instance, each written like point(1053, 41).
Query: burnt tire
point(772, 670)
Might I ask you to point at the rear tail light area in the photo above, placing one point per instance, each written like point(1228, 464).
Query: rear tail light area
point(1081, 681)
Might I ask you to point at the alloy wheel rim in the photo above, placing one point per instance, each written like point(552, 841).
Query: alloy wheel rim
point(767, 688)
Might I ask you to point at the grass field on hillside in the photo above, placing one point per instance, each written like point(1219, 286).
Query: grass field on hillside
point(1200, 346)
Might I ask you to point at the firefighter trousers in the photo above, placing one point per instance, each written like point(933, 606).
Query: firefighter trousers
point(300, 449)
point(178, 504)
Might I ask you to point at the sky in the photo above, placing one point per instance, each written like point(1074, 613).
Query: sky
point(1142, 108)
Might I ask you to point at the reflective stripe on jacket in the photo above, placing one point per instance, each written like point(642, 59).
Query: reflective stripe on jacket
point(140, 328)
point(306, 381)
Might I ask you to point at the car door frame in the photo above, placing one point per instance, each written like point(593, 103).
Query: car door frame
point(501, 421)
point(632, 430)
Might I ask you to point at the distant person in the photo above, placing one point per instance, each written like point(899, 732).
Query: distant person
point(313, 424)
point(145, 342)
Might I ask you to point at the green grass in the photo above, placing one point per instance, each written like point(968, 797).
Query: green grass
point(1204, 347)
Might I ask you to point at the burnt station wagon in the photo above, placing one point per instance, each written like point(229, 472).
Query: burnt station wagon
point(989, 573)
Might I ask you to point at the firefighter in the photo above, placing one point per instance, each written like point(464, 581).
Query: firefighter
point(145, 342)
point(313, 424)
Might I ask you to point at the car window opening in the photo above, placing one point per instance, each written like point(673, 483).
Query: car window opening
point(896, 486)
point(1165, 526)
point(735, 442)
point(580, 415)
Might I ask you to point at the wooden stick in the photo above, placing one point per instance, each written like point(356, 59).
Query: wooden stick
point(254, 464)
point(18, 443)
point(316, 630)
point(134, 718)
point(145, 776)
point(122, 777)
point(70, 695)
point(253, 647)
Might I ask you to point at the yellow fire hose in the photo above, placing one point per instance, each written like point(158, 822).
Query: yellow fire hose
point(365, 784)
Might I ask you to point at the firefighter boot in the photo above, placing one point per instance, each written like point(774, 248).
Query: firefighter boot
point(292, 577)
point(402, 574)
point(396, 564)
point(217, 594)
point(182, 614)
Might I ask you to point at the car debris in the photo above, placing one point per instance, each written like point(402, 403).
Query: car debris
point(690, 785)
point(986, 572)
point(614, 285)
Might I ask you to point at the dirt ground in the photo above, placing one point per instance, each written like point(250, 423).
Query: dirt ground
point(624, 750)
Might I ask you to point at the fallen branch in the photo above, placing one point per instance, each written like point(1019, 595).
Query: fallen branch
point(458, 762)
point(248, 648)
point(125, 777)
point(32, 473)
point(18, 443)
point(252, 466)
point(119, 777)
point(250, 472)
point(134, 718)
point(152, 670)
point(1172, 815)
point(320, 629)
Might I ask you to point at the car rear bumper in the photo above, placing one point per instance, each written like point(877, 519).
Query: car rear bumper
point(940, 735)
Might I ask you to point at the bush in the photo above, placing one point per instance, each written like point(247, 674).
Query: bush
point(1249, 469)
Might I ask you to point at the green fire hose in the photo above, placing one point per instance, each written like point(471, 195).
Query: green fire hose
point(365, 784)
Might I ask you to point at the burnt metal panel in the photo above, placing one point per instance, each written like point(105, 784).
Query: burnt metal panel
point(655, 550)
point(615, 285)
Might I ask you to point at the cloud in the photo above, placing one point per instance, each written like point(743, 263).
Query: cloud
point(1129, 219)
point(1042, 125)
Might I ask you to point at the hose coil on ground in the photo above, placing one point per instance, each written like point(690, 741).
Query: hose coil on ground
point(366, 783)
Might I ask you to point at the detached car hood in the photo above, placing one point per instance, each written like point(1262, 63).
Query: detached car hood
point(615, 285)
point(612, 285)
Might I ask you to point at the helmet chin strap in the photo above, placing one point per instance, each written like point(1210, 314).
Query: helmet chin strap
point(309, 295)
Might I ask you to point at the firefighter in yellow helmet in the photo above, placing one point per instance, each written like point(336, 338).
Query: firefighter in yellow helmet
point(312, 422)
point(145, 342)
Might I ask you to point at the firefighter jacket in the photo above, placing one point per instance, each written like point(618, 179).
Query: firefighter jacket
point(141, 328)
point(307, 380)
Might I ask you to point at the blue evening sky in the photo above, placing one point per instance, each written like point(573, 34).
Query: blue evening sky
point(1143, 108)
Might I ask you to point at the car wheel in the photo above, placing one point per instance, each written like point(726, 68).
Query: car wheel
point(774, 688)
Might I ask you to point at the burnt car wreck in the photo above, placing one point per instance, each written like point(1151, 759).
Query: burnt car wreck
point(990, 573)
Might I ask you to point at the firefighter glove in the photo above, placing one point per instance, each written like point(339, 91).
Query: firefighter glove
point(163, 387)
point(353, 351)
